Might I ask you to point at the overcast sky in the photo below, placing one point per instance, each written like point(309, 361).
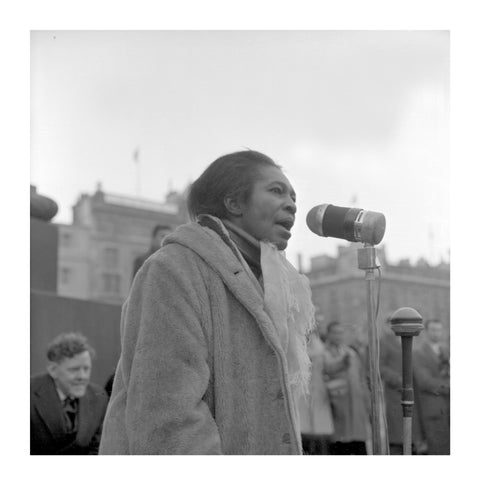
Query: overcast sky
point(353, 117)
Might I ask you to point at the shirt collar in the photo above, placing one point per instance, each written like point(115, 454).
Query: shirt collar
point(61, 394)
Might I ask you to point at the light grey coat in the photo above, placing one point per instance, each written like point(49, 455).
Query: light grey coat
point(202, 370)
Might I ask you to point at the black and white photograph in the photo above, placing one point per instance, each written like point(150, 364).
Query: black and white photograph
point(240, 245)
point(194, 178)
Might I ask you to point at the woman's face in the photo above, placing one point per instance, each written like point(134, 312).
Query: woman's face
point(269, 212)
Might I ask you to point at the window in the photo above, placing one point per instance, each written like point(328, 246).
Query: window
point(66, 239)
point(111, 283)
point(65, 275)
point(111, 257)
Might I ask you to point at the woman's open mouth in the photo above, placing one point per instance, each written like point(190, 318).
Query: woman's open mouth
point(286, 224)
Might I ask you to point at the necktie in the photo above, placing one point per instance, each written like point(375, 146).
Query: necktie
point(70, 410)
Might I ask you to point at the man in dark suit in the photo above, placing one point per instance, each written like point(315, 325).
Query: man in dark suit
point(432, 375)
point(66, 410)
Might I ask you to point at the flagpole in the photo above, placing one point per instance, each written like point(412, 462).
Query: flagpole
point(136, 159)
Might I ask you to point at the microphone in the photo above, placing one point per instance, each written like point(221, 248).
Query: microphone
point(355, 225)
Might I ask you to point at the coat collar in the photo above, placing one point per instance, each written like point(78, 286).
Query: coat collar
point(49, 406)
point(212, 243)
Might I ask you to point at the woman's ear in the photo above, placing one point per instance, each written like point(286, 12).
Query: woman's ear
point(233, 206)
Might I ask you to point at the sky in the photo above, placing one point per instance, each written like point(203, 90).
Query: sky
point(355, 118)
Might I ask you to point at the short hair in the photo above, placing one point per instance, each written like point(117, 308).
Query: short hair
point(230, 175)
point(68, 345)
point(160, 227)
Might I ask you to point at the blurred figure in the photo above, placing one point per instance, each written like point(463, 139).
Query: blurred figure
point(109, 384)
point(391, 372)
point(431, 367)
point(158, 234)
point(315, 412)
point(66, 410)
point(347, 388)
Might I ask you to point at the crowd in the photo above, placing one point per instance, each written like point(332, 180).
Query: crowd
point(335, 416)
point(214, 356)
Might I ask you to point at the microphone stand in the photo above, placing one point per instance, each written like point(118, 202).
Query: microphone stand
point(407, 323)
point(367, 260)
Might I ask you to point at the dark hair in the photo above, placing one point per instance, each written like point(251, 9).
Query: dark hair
point(231, 175)
point(160, 227)
point(68, 345)
point(333, 324)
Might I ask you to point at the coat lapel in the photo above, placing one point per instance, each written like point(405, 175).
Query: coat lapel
point(204, 240)
point(49, 407)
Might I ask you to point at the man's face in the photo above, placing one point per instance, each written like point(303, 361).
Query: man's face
point(72, 375)
point(435, 332)
point(269, 213)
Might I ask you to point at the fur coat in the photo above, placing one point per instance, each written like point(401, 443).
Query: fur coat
point(201, 369)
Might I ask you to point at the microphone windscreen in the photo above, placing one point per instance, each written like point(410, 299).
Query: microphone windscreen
point(349, 223)
point(315, 219)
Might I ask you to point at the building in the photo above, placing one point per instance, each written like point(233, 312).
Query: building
point(51, 313)
point(97, 251)
point(339, 289)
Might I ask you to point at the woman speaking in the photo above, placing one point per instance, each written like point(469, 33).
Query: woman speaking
point(214, 329)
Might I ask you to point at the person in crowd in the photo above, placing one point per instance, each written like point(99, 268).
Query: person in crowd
point(391, 373)
point(214, 329)
point(66, 409)
point(315, 412)
point(431, 367)
point(109, 384)
point(158, 234)
point(346, 383)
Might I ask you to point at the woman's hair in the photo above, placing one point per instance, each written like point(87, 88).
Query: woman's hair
point(231, 175)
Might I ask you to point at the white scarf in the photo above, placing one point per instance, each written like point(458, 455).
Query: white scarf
point(288, 302)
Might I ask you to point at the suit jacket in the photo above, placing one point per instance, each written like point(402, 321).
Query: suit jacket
point(433, 384)
point(48, 435)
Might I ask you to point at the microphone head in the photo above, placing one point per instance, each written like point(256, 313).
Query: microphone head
point(315, 219)
point(356, 225)
point(373, 227)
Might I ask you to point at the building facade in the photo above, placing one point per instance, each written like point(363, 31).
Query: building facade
point(339, 290)
point(97, 251)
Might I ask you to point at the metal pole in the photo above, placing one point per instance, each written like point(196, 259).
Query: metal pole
point(407, 394)
point(373, 359)
point(407, 323)
point(367, 260)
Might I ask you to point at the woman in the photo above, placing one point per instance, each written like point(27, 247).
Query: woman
point(213, 332)
point(315, 410)
point(347, 388)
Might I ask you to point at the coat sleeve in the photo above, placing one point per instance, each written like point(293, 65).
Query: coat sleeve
point(426, 378)
point(101, 402)
point(165, 360)
point(391, 376)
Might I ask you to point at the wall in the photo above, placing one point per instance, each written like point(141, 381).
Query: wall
point(51, 314)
